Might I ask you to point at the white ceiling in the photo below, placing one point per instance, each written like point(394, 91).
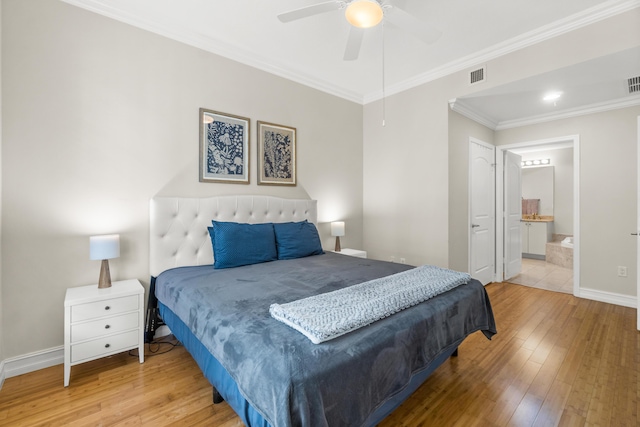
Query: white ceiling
point(597, 85)
point(310, 50)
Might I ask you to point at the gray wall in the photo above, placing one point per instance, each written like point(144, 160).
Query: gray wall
point(408, 200)
point(99, 117)
point(608, 192)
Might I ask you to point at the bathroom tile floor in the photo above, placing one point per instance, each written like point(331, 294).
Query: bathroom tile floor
point(543, 275)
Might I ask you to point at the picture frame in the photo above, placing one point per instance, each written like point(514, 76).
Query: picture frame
point(224, 147)
point(276, 154)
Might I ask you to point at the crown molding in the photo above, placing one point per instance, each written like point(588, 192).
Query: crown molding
point(589, 16)
point(218, 47)
point(600, 107)
point(597, 13)
point(459, 106)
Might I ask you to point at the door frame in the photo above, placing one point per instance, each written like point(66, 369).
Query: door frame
point(492, 147)
point(500, 149)
point(638, 230)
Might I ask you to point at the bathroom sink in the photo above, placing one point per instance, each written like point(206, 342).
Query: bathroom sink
point(537, 218)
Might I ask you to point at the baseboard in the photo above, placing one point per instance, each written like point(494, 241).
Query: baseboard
point(31, 362)
point(3, 375)
point(609, 297)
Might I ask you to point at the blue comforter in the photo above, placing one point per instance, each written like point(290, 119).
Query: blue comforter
point(285, 377)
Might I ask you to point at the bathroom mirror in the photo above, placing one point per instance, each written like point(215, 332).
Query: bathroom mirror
point(537, 183)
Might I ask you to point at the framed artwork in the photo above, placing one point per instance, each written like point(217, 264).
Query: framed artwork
point(276, 154)
point(224, 147)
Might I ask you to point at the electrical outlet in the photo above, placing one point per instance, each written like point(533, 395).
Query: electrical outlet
point(403, 261)
point(622, 271)
point(392, 259)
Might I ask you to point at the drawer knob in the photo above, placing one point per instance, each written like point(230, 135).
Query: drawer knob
point(107, 345)
point(107, 308)
point(107, 326)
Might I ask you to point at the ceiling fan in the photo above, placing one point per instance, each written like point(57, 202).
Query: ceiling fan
point(363, 14)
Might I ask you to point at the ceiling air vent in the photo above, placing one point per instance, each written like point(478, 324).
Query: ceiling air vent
point(477, 76)
point(634, 84)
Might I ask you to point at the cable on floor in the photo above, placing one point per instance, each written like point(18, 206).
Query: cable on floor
point(160, 346)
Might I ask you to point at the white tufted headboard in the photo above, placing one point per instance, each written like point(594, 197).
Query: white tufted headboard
point(178, 226)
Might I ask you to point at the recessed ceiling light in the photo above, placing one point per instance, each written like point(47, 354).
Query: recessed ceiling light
point(552, 96)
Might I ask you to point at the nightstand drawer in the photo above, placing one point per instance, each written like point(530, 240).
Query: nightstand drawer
point(106, 307)
point(104, 346)
point(105, 326)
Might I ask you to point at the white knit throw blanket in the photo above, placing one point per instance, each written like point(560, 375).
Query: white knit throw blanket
point(326, 316)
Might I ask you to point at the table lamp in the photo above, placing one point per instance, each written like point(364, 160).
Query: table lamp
point(104, 248)
point(337, 230)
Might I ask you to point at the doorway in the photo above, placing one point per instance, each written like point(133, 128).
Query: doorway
point(551, 143)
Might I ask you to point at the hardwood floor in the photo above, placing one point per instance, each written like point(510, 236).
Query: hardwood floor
point(556, 360)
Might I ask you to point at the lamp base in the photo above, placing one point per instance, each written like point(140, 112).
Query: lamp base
point(338, 248)
point(105, 275)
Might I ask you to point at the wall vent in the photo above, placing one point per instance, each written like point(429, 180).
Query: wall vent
point(634, 84)
point(477, 76)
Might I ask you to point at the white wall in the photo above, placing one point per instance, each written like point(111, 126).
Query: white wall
point(608, 192)
point(408, 194)
point(562, 189)
point(99, 117)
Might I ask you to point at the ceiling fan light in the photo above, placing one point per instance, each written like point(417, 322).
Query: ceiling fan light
point(364, 13)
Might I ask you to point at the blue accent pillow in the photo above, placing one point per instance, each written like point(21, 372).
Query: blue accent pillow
point(236, 244)
point(297, 239)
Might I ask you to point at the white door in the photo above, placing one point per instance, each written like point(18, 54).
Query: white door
point(512, 215)
point(482, 209)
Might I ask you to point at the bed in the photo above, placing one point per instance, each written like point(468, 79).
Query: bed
point(269, 373)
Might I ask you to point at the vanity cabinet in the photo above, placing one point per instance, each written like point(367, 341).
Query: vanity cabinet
point(535, 235)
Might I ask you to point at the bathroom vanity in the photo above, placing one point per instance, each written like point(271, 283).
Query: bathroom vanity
point(535, 235)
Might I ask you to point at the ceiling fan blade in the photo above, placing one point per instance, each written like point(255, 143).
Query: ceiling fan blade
point(354, 42)
point(307, 11)
point(411, 24)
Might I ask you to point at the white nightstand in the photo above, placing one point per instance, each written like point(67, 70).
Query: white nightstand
point(353, 252)
point(102, 322)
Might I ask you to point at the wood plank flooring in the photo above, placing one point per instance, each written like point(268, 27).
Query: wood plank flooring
point(557, 360)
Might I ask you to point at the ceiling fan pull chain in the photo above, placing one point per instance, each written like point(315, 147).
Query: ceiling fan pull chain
point(384, 113)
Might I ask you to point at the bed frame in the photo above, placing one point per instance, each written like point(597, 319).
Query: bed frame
point(179, 237)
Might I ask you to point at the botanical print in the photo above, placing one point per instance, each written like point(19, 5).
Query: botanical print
point(224, 147)
point(277, 154)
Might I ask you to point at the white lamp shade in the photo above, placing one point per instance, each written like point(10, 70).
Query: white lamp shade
point(337, 228)
point(104, 247)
